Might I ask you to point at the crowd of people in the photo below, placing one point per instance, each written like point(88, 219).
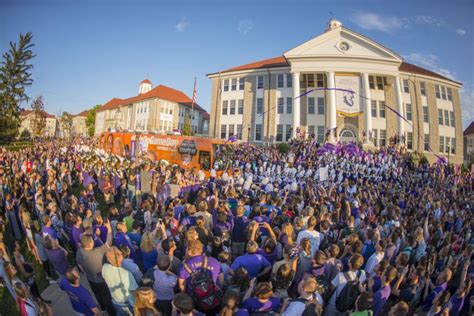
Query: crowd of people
point(311, 231)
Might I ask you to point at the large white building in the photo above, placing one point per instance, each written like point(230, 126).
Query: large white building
point(159, 109)
point(339, 85)
point(28, 120)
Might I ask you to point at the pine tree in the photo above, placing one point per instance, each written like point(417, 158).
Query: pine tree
point(15, 76)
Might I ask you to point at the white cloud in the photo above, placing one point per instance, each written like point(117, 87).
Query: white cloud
point(467, 104)
point(461, 32)
point(430, 62)
point(244, 26)
point(373, 21)
point(182, 25)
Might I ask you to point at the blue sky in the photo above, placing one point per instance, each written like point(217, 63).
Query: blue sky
point(91, 51)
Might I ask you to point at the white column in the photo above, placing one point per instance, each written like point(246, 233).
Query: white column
point(367, 108)
point(401, 126)
point(296, 102)
point(332, 106)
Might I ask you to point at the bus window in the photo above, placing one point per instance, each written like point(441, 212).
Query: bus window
point(205, 160)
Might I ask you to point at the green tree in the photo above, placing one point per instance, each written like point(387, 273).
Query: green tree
point(39, 116)
point(15, 76)
point(187, 129)
point(65, 122)
point(90, 119)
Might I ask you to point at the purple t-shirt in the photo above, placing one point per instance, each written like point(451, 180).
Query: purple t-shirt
point(76, 235)
point(254, 263)
point(196, 262)
point(123, 239)
point(430, 298)
point(380, 298)
point(81, 300)
point(49, 231)
point(252, 304)
point(455, 304)
point(58, 258)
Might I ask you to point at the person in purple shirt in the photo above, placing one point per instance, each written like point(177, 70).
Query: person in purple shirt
point(238, 233)
point(57, 255)
point(194, 261)
point(256, 265)
point(263, 300)
point(381, 296)
point(76, 233)
point(441, 285)
point(47, 228)
point(122, 239)
point(81, 299)
point(99, 228)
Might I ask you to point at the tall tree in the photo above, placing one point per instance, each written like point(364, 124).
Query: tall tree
point(90, 120)
point(15, 76)
point(39, 116)
point(187, 128)
point(66, 124)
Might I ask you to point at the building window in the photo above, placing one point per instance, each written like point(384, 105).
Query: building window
point(241, 83)
point(443, 92)
point(289, 81)
point(240, 107)
point(438, 92)
point(375, 137)
point(408, 111)
point(381, 109)
point(422, 88)
point(289, 105)
point(406, 89)
point(239, 131)
point(310, 83)
point(383, 138)
point(373, 105)
point(321, 134)
point(409, 140)
point(453, 146)
point(450, 94)
point(231, 129)
point(441, 144)
point(310, 105)
point(446, 117)
point(279, 137)
point(224, 107)
point(371, 82)
point(288, 133)
point(321, 106)
point(233, 86)
point(425, 114)
point(448, 141)
point(258, 132)
point(223, 131)
point(226, 85)
point(426, 142)
point(311, 130)
point(451, 117)
point(380, 83)
point(259, 82)
point(259, 105)
point(320, 80)
point(281, 106)
point(280, 81)
point(232, 107)
point(440, 117)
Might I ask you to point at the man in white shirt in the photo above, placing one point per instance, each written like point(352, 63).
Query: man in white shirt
point(376, 257)
point(313, 235)
point(308, 298)
point(120, 282)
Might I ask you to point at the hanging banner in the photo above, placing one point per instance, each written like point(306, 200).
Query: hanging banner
point(348, 103)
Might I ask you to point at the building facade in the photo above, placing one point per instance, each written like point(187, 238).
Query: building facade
point(469, 143)
point(27, 118)
point(339, 86)
point(160, 109)
point(79, 127)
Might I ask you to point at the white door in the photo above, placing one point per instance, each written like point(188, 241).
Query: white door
point(347, 136)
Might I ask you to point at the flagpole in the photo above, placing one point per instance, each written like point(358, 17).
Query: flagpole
point(192, 104)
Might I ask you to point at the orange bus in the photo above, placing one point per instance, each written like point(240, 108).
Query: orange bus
point(185, 151)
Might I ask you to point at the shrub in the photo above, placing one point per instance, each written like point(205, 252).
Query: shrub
point(283, 148)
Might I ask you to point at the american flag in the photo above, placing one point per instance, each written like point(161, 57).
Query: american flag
point(194, 92)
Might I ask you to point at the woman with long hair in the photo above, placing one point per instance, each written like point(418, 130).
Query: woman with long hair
point(144, 302)
point(30, 242)
point(149, 251)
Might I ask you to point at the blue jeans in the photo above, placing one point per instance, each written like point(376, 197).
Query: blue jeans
point(123, 310)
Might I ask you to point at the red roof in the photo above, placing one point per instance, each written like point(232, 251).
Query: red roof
point(206, 116)
point(161, 91)
point(406, 67)
point(83, 113)
point(28, 112)
point(469, 130)
point(146, 81)
point(279, 61)
point(282, 62)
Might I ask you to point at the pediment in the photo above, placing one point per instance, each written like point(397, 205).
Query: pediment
point(342, 42)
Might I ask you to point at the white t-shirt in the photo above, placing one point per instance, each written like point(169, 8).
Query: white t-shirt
point(120, 282)
point(297, 307)
point(340, 281)
point(314, 238)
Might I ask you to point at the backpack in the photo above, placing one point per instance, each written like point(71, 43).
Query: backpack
point(345, 301)
point(311, 306)
point(200, 285)
point(324, 284)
